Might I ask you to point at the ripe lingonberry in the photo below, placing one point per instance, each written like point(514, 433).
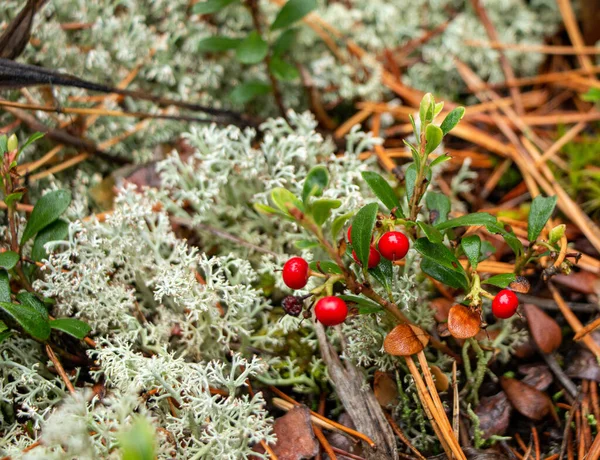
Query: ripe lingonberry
point(374, 257)
point(393, 245)
point(331, 311)
point(505, 304)
point(292, 305)
point(295, 273)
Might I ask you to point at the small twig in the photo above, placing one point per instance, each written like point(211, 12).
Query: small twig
point(59, 369)
point(324, 443)
point(456, 403)
point(402, 436)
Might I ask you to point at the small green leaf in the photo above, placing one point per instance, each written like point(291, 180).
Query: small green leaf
point(211, 6)
point(432, 233)
point(218, 44)
point(411, 177)
point(557, 233)
point(438, 108)
point(339, 222)
point(56, 231)
point(71, 326)
point(540, 212)
point(284, 42)
point(306, 244)
point(29, 299)
point(3, 144)
point(440, 263)
point(383, 272)
point(471, 246)
point(477, 218)
point(502, 281)
point(509, 237)
point(293, 11)
point(28, 318)
point(452, 119)
point(365, 306)
point(426, 109)
point(439, 160)
point(269, 211)
point(362, 231)
point(439, 205)
point(245, 92)
point(321, 209)
point(252, 50)
point(8, 259)
point(325, 266)
point(283, 70)
point(139, 442)
point(283, 199)
point(414, 125)
point(5, 335)
point(12, 198)
point(3, 326)
point(316, 181)
point(4, 286)
point(34, 137)
point(46, 210)
point(382, 190)
point(433, 138)
point(593, 95)
point(414, 152)
point(443, 274)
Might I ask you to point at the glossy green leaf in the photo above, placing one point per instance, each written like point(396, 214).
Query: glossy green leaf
point(46, 210)
point(414, 125)
point(477, 218)
point(284, 199)
point(502, 281)
point(383, 190)
point(306, 244)
point(471, 246)
point(139, 442)
point(316, 181)
point(293, 11)
point(365, 306)
point(325, 266)
point(321, 209)
point(509, 237)
point(245, 92)
point(433, 138)
point(411, 177)
point(284, 42)
point(28, 318)
point(252, 50)
point(8, 259)
point(71, 326)
point(4, 286)
point(414, 152)
point(362, 231)
point(439, 160)
point(541, 210)
point(443, 274)
point(218, 44)
point(34, 137)
point(56, 231)
point(426, 108)
point(439, 207)
point(383, 273)
point(431, 233)
point(452, 119)
point(441, 262)
point(29, 299)
point(13, 198)
point(283, 70)
point(339, 222)
point(211, 6)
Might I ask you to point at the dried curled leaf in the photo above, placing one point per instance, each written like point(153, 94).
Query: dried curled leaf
point(463, 323)
point(385, 388)
point(527, 400)
point(494, 414)
point(405, 340)
point(544, 330)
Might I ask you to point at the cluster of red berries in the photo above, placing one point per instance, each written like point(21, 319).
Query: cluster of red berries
point(392, 245)
point(505, 304)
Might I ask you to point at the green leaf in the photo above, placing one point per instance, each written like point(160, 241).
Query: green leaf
point(326, 266)
point(284, 42)
point(477, 218)
point(439, 160)
point(29, 299)
point(3, 144)
point(306, 244)
point(426, 109)
point(433, 138)
point(414, 125)
point(438, 203)
point(362, 230)
point(509, 237)
point(293, 11)
point(46, 210)
point(4, 286)
point(211, 6)
point(438, 108)
point(3, 326)
point(339, 222)
point(471, 246)
point(283, 199)
point(218, 44)
point(12, 198)
point(501, 281)
point(139, 442)
point(8, 259)
point(28, 318)
point(34, 137)
point(321, 209)
point(432, 233)
point(245, 92)
point(283, 70)
point(269, 211)
point(593, 95)
point(5, 335)
point(56, 231)
point(366, 306)
point(383, 272)
point(452, 119)
point(441, 263)
point(414, 152)
point(252, 50)
point(316, 181)
point(411, 177)
point(382, 190)
point(71, 326)
point(540, 212)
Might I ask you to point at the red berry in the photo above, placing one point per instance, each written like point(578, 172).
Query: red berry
point(505, 304)
point(295, 273)
point(374, 257)
point(331, 311)
point(393, 245)
point(350, 234)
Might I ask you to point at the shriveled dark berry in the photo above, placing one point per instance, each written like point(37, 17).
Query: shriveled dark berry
point(292, 305)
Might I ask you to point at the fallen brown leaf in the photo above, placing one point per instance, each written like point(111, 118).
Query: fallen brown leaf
point(385, 388)
point(525, 399)
point(494, 414)
point(544, 330)
point(537, 375)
